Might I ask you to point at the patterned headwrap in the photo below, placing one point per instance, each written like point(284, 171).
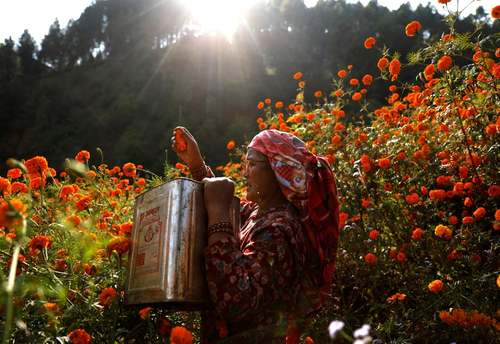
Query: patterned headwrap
point(307, 181)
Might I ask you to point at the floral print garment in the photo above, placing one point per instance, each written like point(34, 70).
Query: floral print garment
point(253, 279)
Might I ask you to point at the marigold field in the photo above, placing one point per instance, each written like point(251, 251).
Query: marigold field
point(419, 186)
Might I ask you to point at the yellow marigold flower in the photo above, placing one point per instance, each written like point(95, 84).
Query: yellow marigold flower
point(443, 231)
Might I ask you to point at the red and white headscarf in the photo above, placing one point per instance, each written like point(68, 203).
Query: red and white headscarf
point(307, 181)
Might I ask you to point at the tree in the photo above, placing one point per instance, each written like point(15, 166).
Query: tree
point(9, 65)
point(52, 51)
point(27, 51)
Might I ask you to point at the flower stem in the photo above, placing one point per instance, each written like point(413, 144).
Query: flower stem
point(10, 294)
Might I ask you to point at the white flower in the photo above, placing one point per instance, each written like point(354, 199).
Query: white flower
point(334, 327)
point(362, 332)
point(365, 340)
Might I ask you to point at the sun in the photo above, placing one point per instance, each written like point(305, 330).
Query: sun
point(217, 16)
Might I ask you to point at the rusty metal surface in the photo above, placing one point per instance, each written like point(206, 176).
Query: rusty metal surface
point(166, 263)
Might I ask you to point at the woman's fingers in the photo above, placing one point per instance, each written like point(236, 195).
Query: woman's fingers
point(173, 144)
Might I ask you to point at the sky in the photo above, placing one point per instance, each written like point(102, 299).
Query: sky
point(38, 15)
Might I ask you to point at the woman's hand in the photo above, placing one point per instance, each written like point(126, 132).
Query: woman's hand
point(190, 155)
point(218, 194)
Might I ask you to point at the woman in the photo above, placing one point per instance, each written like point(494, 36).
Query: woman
point(278, 269)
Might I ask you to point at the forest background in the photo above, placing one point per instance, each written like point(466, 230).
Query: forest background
point(126, 72)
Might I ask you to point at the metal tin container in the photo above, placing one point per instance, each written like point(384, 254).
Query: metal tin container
point(166, 263)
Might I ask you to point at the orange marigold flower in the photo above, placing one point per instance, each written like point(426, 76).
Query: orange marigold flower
point(79, 336)
point(4, 186)
point(479, 213)
point(126, 228)
point(447, 37)
point(144, 312)
point(435, 286)
point(107, 296)
point(297, 76)
point(467, 220)
point(365, 202)
point(382, 63)
point(7, 219)
point(180, 335)
point(18, 187)
point(491, 129)
point(318, 94)
point(354, 82)
point(429, 71)
point(384, 163)
point(309, 340)
point(453, 255)
point(401, 257)
point(279, 104)
point(37, 165)
point(412, 28)
point(444, 63)
point(336, 139)
point(51, 307)
point(66, 191)
point(370, 42)
point(437, 194)
point(339, 126)
point(373, 234)
point(445, 317)
point(357, 96)
point(494, 191)
point(74, 219)
point(367, 79)
point(83, 156)
point(394, 68)
point(83, 203)
point(129, 170)
point(443, 231)
point(14, 173)
point(260, 105)
point(370, 259)
point(412, 198)
point(417, 234)
point(230, 145)
point(468, 202)
point(267, 101)
point(495, 12)
point(396, 297)
point(444, 2)
point(38, 243)
point(119, 244)
point(452, 220)
point(342, 73)
point(36, 182)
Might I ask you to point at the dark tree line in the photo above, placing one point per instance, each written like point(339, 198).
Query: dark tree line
point(128, 71)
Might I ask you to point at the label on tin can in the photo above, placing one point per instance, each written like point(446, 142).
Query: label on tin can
point(148, 249)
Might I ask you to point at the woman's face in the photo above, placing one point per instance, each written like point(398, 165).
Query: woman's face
point(261, 181)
